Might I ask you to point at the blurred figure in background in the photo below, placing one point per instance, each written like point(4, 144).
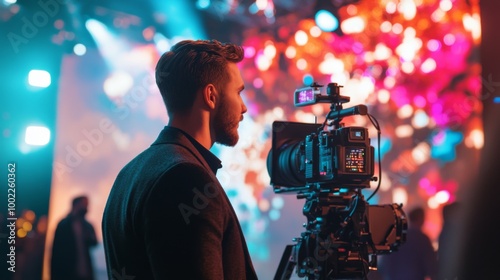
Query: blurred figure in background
point(448, 241)
point(73, 239)
point(416, 259)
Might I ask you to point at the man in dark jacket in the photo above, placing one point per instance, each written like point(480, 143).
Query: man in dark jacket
point(73, 239)
point(167, 216)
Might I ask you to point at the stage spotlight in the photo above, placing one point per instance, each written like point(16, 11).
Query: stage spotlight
point(37, 135)
point(184, 20)
point(109, 44)
point(39, 78)
point(97, 29)
point(118, 84)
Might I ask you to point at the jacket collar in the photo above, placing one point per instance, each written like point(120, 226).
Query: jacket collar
point(172, 135)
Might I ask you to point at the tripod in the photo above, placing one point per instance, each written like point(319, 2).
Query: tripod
point(343, 236)
point(333, 246)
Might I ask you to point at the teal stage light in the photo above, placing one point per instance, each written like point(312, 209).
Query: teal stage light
point(37, 135)
point(39, 78)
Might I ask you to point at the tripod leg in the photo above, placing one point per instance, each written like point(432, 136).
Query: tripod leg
point(287, 264)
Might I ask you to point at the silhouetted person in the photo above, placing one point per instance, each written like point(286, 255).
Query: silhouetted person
point(73, 239)
point(449, 240)
point(167, 216)
point(416, 259)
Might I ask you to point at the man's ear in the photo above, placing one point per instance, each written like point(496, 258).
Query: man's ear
point(210, 96)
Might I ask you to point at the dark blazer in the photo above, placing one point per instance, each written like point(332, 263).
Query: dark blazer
point(168, 217)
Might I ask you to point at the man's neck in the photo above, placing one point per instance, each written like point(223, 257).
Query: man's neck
point(197, 129)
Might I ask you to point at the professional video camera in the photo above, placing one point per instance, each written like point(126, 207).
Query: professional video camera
point(328, 165)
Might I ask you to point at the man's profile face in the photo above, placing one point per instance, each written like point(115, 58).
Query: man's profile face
point(230, 109)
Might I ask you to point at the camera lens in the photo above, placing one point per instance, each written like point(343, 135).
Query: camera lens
point(288, 160)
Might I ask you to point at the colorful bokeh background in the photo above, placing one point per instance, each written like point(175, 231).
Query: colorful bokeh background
point(414, 63)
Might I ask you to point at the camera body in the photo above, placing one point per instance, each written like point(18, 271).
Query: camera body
point(341, 157)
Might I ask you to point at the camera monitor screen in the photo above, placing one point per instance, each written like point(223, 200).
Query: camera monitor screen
point(304, 96)
point(355, 159)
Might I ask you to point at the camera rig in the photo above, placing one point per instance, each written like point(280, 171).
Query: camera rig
point(328, 165)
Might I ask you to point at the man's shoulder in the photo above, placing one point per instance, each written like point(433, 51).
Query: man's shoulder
point(170, 148)
point(65, 224)
point(157, 161)
point(165, 155)
point(66, 219)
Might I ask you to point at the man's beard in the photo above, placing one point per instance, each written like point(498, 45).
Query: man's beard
point(225, 126)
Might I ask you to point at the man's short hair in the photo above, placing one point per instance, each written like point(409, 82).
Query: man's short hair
point(189, 66)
